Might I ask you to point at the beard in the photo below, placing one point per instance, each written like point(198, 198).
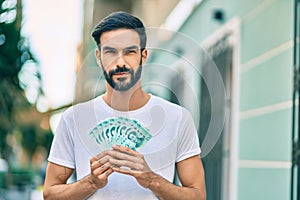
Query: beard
point(122, 84)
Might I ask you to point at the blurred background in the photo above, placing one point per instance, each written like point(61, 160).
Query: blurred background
point(47, 64)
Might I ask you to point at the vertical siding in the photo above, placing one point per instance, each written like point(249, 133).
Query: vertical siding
point(266, 137)
point(267, 83)
point(267, 28)
point(263, 184)
point(265, 90)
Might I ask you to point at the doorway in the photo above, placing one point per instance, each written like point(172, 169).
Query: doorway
point(220, 164)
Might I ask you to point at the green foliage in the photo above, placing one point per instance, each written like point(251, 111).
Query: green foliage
point(14, 54)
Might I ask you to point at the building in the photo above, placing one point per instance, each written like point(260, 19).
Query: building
point(231, 64)
point(250, 44)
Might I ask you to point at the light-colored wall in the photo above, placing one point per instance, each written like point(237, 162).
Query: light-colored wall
point(266, 84)
point(153, 12)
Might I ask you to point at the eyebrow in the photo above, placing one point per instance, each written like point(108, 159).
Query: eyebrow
point(126, 48)
point(132, 47)
point(108, 48)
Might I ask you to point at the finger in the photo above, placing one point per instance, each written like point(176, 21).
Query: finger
point(102, 169)
point(93, 159)
point(126, 150)
point(101, 155)
point(106, 174)
point(104, 159)
point(124, 170)
point(99, 163)
point(127, 163)
point(120, 155)
point(98, 157)
point(124, 156)
point(95, 165)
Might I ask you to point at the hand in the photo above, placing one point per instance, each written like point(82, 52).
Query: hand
point(101, 168)
point(130, 162)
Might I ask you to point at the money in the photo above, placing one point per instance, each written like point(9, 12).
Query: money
point(120, 131)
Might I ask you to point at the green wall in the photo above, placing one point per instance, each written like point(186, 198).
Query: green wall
point(265, 89)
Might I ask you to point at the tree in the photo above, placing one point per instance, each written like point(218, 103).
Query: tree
point(14, 54)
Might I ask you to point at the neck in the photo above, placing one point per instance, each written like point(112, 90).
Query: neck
point(129, 100)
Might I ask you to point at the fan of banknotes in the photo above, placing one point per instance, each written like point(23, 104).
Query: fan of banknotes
point(120, 131)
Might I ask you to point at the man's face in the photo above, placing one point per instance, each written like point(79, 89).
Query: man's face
point(121, 58)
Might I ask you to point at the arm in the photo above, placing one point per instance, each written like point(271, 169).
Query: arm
point(190, 172)
point(55, 186)
point(191, 175)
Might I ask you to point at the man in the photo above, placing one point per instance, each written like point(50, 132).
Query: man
point(121, 172)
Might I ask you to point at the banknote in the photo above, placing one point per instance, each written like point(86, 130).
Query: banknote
point(120, 131)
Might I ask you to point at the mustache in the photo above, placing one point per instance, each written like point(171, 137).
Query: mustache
point(119, 70)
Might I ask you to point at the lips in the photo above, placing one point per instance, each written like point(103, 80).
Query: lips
point(120, 73)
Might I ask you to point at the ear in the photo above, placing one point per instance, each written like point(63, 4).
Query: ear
point(98, 56)
point(144, 56)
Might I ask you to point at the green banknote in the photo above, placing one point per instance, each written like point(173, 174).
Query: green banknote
point(120, 131)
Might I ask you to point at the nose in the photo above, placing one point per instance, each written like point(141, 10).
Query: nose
point(120, 62)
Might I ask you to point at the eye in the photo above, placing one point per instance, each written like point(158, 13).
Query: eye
point(130, 51)
point(110, 51)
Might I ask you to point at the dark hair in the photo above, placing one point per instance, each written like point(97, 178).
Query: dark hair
point(120, 20)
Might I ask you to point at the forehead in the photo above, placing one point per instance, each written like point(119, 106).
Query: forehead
point(120, 38)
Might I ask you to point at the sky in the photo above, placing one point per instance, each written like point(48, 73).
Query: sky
point(54, 29)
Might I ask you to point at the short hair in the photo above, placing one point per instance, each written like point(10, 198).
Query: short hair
point(120, 20)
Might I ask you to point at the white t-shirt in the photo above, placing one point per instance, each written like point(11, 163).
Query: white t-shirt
point(174, 138)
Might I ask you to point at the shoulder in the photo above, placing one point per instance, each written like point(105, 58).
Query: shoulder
point(171, 109)
point(80, 118)
point(159, 100)
point(80, 109)
point(169, 106)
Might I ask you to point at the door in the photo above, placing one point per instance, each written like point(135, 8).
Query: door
point(216, 162)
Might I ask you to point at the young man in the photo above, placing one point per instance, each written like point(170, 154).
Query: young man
point(120, 172)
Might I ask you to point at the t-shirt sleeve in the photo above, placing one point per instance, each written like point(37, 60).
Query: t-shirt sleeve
point(61, 152)
point(188, 142)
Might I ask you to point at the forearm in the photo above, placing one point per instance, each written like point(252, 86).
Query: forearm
point(165, 190)
point(79, 190)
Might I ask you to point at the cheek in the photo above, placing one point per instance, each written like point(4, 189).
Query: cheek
point(108, 61)
point(133, 60)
